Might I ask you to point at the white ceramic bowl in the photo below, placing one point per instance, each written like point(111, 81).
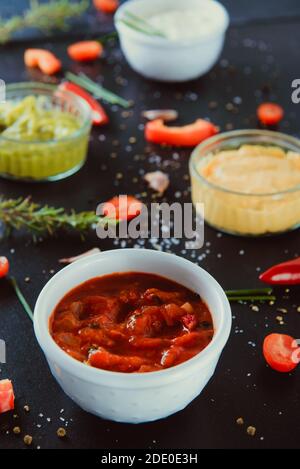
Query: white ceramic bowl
point(135, 397)
point(168, 60)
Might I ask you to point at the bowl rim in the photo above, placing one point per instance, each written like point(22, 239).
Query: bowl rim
point(233, 134)
point(160, 41)
point(30, 85)
point(121, 379)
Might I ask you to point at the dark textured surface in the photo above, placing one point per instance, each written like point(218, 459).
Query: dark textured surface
point(242, 386)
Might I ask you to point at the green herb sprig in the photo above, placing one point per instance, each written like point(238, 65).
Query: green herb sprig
point(97, 90)
point(45, 17)
point(140, 24)
point(254, 294)
point(21, 298)
point(22, 213)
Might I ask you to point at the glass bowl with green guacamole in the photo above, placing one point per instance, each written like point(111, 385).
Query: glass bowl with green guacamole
point(44, 132)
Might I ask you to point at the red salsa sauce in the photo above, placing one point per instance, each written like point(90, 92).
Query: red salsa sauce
point(131, 322)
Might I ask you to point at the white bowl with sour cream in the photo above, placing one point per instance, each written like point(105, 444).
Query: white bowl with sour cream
point(194, 33)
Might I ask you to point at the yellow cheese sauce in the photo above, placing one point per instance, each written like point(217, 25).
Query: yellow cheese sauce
point(253, 170)
point(253, 190)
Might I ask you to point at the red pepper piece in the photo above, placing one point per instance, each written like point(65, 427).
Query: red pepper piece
point(101, 358)
point(149, 342)
point(122, 207)
point(286, 273)
point(45, 60)
point(190, 321)
point(193, 338)
point(99, 116)
point(186, 136)
point(106, 6)
point(270, 113)
point(7, 397)
point(170, 356)
point(85, 51)
point(4, 266)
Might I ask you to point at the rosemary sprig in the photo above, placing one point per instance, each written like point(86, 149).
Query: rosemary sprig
point(47, 16)
point(22, 213)
point(97, 90)
point(21, 298)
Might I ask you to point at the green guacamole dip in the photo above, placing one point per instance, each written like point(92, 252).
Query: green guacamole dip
point(36, 139)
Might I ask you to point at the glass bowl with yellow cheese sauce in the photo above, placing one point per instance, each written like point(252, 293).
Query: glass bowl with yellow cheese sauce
point(248, 181)
point(44, 132)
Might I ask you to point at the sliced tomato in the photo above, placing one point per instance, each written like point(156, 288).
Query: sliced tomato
point(4, 266)
point(99, 115)
point(270, 113)
point(122, 207)
point(106, 6)
point(7, 397)
point(186, 136)
point(281, 352)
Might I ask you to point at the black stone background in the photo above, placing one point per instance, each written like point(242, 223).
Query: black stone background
point(259, 61)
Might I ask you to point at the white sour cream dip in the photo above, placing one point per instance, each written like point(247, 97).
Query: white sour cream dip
point(186, 24)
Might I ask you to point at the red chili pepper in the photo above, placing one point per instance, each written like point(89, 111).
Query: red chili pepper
point(99, 115)
point(186, 136)
point(286, 273)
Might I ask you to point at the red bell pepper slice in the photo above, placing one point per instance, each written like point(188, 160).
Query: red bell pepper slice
point(286, 273)
point(186, 136)
point(7, 397)
point(99, 115)
point(44, 59)
point(85, 51)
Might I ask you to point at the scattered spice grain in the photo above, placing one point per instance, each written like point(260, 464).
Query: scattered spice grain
point(27, 440)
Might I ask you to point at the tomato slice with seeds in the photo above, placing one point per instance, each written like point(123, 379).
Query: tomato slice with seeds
point(270, 113)
point(4, 266)
point(281, 352)
point(122, 207)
